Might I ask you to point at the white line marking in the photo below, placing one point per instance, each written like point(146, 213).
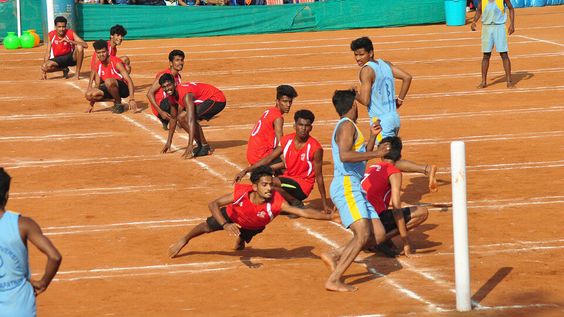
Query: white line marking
point(101, 191)
point(539, 40)
point(56, 137)
point(124, 224)
point(80, 161)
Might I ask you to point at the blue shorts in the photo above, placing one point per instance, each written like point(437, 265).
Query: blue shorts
point(350, 199)
point(390, 123)
point(494, 35)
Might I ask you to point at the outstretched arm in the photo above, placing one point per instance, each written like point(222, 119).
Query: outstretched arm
point(264, 161)
point(306, 213)
point(367, 78)
point(32, 232)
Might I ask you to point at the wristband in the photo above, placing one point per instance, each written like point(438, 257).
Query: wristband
point(398, 98)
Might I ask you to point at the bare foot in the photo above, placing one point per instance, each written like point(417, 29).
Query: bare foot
point(510, 84)
point(239, 244)
point(174, 249)
point(482, 85)
point(43, 76)
point(339, 286)
point(330, 260)
point(432, 174)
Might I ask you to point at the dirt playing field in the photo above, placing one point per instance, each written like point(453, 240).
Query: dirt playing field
point(112, 203)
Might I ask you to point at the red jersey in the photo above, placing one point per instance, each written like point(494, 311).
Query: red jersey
point(58, 46)
point(110, 70)
point(376, 184)
point(111, 52)
point(249, 215)
point(263, 138)
point(200, 91)
point(299, 163)
point(160, 94)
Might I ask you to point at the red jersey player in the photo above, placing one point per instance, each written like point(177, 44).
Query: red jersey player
point(192, 102)
point(302, 157)
point(382, 183)
point(64, 48)
point(158, 99)
point(117, 33)
point(112, 81)
point(268, 131)
point(246, 212)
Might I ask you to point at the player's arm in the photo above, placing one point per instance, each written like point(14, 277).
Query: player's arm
point(191, 120)
point(367, 77)
point(97, 80)
point(405, 78)
point(79, 41)
point(215, 206)
point(32, 232)
point(395, 183)
point(92, 72)
point(264, 161)
point(306, 213)
point(171, 128)
point(130, 86)
point(511, 27)
point(151, 96)
point(345, 138)
point(477, 16)
point(279, 130)
point(375, 129)
point(318, 168)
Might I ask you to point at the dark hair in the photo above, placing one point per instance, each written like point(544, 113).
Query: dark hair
point(394, 153)
point(304, 114)
point(4, 186)
point(118, 29)
point(166, 77)
point(343, 100)
point(286, 90)
point(175, 53)
point(100, 44)
point(362, 42)
point(60, 19)
point(259, 172)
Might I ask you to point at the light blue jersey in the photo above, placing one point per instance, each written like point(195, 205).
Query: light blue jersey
point(493, 12)
point(346, 191)
point(383, 100)
point(16, 293)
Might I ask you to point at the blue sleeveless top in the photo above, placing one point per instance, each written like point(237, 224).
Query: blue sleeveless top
point(16, 293)
point(383, 93)
point(344, 168)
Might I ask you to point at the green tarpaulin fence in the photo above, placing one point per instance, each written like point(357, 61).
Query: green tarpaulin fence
point(176, 22)
point(30, 15)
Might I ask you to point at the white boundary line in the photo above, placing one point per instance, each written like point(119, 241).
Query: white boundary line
point(56, 137)
point(540, 40)
point(80, 161)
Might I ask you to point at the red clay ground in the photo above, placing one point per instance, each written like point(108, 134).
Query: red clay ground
point(112, 204)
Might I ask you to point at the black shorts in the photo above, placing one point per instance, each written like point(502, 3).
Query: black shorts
point(64, 61)
point(246, 234)
point(165, 106)
point(122, 87)
point(387, 218)
point(209, 108)
point(293, 188)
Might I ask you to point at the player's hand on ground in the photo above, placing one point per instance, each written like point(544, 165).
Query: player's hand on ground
point(327, 209)
point(239, 176)
point(510, 30)
point(232, 229)
point(407, 250)
point(473, 26)
point(133, 105)
point(165, 148)
point(38, 286)
point(89, 109)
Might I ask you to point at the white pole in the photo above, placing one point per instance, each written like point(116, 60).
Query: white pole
point(19, 17)
point(460, 226)
point(50, 15)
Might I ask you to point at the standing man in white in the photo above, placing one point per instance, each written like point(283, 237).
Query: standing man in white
point(17, 290)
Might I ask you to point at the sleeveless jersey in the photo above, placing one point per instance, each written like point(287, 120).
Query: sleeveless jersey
point(355, 169)
point(16, 293)
point(493, 12)
point(383, 93)
point(58, 46)
point(376, 184)
point(299, 163)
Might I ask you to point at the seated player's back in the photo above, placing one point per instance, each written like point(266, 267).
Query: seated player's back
point(200, 91)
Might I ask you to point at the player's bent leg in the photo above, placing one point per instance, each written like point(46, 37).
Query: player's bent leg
point(127, 63)
point(78, 56)
point(93, 95)
point(113, 89)
point(239, 244)
point(198, 230)
point(361, 234)
point(419, 215)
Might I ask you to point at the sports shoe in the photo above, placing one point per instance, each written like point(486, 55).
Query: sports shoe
point(66, 71)
point(118, 108)
point(202, 150)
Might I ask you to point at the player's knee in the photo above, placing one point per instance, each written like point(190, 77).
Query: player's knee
point(504, 55)
point(125, 59)
point(487, 55)
point(421, 213)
